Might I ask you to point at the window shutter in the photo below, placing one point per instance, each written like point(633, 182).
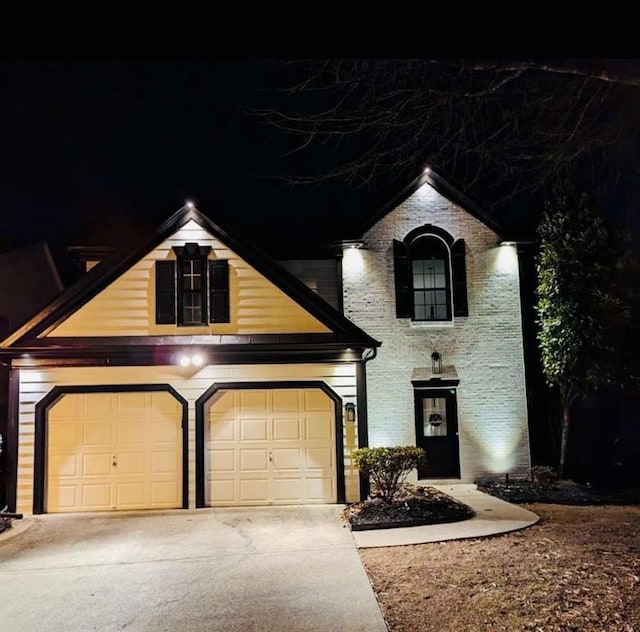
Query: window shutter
point(219, 291)
point(165, 292)
point(402, 279)
point(460, 304)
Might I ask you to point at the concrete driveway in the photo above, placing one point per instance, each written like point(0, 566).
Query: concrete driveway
point(264, 569)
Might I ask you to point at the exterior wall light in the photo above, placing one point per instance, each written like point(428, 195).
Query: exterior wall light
point(350, 412)
point(195, 360)
point(436, 363)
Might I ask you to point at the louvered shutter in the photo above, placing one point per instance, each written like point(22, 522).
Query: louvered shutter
point(402, 279)
point(459, 272)
point(165, 292)
point(219, 291)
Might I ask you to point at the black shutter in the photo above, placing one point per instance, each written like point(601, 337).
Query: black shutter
point(402, 278)
point(165, 292)
point(460, 304)
point(219, 291)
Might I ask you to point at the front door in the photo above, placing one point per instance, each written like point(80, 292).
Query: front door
point(437, 432)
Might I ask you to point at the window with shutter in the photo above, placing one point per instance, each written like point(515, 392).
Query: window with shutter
point(192, 290)
point(430, 276)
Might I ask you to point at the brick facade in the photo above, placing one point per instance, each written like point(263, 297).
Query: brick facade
point(485, 348)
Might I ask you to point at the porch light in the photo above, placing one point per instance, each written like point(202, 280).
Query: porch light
point(350, 411)
point(436, 363)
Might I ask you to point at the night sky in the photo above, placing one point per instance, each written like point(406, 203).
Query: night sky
point(99, 151)
point(102, 151)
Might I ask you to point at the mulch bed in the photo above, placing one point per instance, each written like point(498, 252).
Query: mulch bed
point(416, 506)
point(561, 492)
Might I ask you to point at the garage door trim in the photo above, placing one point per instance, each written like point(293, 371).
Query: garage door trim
point(234, 386)
point(42, 418)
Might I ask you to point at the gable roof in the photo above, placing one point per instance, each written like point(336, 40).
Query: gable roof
point(446, 189)
point(106, 272)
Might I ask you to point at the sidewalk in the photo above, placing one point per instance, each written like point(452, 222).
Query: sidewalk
point(493, 516)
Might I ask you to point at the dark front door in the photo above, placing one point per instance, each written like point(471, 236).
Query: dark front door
point(437, 432)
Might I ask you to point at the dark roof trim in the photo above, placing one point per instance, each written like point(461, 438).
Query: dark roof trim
point(445, 188)
point(106, 272)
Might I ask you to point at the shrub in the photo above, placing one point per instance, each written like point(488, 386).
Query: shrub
point(543, 475)
point(388, 468)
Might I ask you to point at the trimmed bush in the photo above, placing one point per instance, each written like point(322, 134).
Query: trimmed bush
point(388, 468)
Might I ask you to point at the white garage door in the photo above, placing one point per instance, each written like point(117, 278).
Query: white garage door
point(114, 451)
point(270, 446)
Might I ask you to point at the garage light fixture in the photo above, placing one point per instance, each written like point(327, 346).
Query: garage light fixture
point(194, 359)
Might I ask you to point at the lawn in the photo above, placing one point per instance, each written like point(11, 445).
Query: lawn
point(578, 569)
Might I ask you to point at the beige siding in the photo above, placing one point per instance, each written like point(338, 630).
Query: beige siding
point(127, 306)
point(36, 383)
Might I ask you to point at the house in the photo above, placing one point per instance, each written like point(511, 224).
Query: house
point(197, 371)
point(194, 371)
point(434, 280)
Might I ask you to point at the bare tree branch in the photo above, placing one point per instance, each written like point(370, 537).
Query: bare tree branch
point(508, 127)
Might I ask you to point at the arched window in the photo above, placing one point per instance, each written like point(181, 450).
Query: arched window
point(430, 279)
point(430, 276)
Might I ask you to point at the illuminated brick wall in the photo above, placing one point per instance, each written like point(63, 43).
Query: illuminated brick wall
point(485, 347)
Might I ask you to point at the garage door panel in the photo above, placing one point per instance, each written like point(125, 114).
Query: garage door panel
point(163, 403)
point(254, 460)
point(98, 405)
point(317, 489)
point(288, 490)
point(66, 496)
point(132, 432)
point(222, 460)
point(97, 433)
point(164, 463)
point(223, 491)
point(317, 400)
point(96, 465)
point(165, 430)
point(286, 400)
point(131, 463)
point(319, 458)
point(63, 465)
point(94, 496)
point(279, 437)
point(65, 435)
point(131, 495)
point(319, 428)
point(121, 451)
point(252, 401)
point(165, 494)
point(221, 428)
point(253, 429)
point(287, 458)
point(253, 490)
point(286, 429)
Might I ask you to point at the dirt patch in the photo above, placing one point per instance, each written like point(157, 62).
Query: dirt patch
point(416, 505)
point(576, 570)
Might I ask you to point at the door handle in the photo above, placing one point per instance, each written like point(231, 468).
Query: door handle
point(270, 456)
point(114, 461)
